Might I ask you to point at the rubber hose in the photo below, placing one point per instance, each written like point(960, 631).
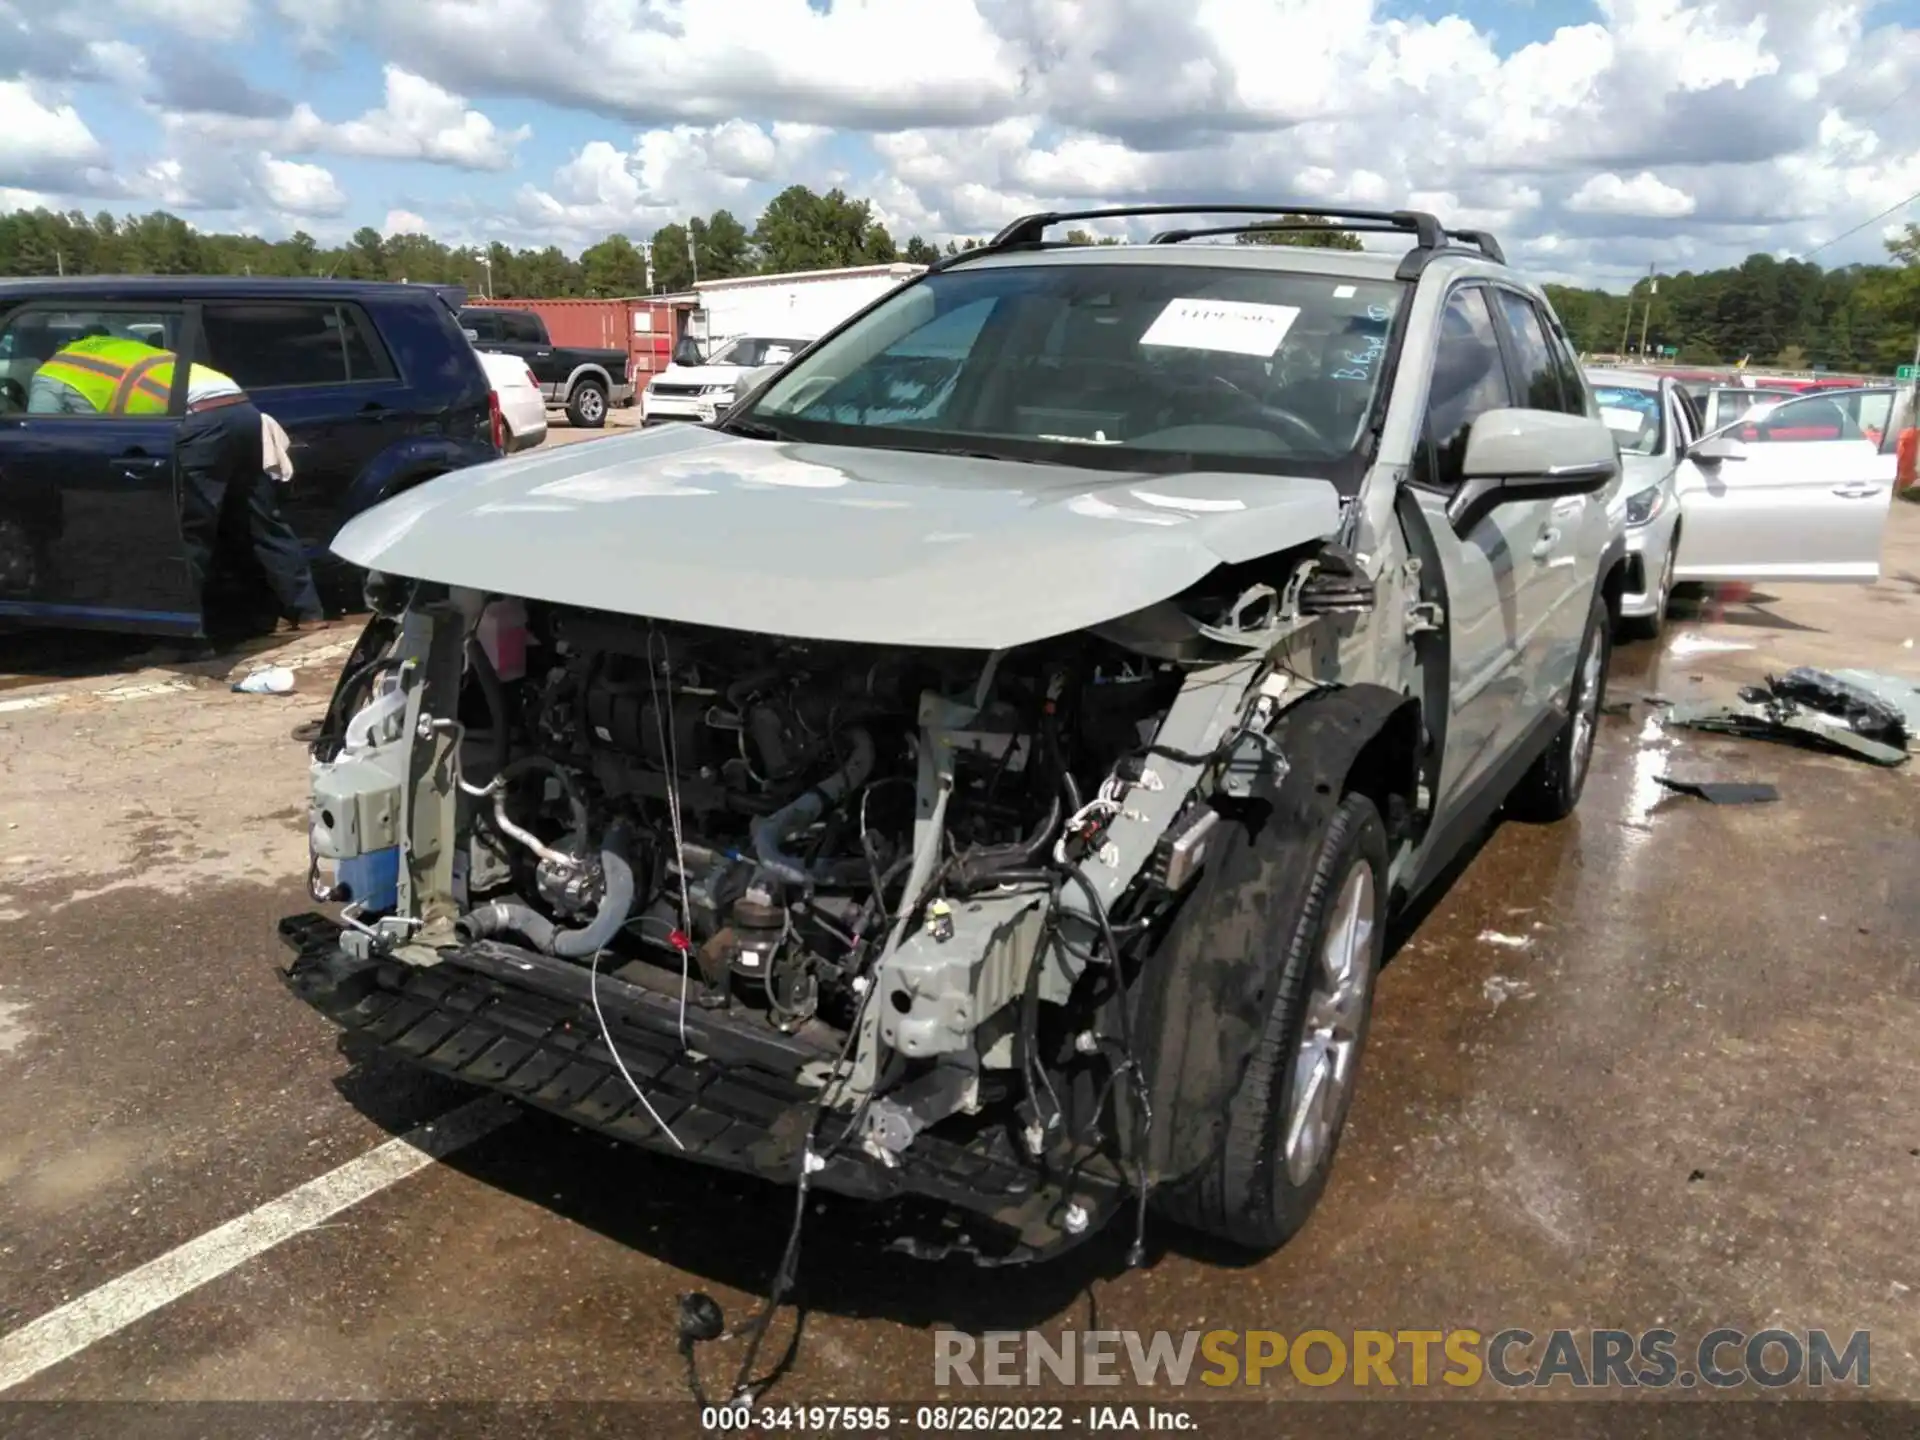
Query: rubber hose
point(506, 917)
point(769, 833)
point(616, 901)
point(503, 917)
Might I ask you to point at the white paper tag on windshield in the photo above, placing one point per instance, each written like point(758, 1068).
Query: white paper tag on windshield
point(1238, 327)
point(1621, 417)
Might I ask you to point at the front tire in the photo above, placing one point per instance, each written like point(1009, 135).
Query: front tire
point(1551, 787)
point(587, 405)
point(1285, 1120)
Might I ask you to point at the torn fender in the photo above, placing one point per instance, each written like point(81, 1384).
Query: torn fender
point(1204, 995)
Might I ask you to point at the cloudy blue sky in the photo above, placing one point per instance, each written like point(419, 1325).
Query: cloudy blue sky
point(1596, 136)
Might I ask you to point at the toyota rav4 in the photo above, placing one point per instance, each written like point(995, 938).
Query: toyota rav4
point(977, 772)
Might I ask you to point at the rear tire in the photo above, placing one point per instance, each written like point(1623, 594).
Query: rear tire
point(1285, 1120)
point(1551, 788)
point(587, 405)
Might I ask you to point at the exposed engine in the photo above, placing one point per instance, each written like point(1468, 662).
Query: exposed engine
point(745, 807)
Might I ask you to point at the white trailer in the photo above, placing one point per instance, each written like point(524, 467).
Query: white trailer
point(799, 306)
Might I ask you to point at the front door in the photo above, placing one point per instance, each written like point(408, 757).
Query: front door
point(89, 504)
point(1801, 493)
point(1492, 597)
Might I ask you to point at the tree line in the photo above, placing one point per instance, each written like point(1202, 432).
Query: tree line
point(1786, 313)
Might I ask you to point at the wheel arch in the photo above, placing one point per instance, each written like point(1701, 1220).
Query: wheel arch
point(1204, 990)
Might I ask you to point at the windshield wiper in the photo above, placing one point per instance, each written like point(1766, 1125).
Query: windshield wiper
point(751, 430)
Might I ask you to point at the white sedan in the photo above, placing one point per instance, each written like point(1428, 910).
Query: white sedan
point(522, 407)
point(1794, 489)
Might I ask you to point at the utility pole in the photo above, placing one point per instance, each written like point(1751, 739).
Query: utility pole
point(1653, 289)
point(692, 259)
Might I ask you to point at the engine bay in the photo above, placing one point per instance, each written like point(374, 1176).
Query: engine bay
point(767, 793)
point(929, 873)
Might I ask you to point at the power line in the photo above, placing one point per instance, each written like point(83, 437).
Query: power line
point(1845, 234)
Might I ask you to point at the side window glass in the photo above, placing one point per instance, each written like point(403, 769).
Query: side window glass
point(1469, 379)
point(1573, 380)
point(1539, 376)
point(367, 357)
point(1806, 419)
point(484, 327)
point(525, 329)
point(102, 364)
point(277, 343)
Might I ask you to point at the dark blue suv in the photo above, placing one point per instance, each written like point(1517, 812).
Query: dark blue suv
point(375, 384)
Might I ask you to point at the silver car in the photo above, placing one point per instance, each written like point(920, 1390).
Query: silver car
point(981, 766)
point(1794, 487)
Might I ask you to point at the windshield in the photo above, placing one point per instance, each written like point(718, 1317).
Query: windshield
point(1135, 366)
point(1634, 415)
point(753, 352)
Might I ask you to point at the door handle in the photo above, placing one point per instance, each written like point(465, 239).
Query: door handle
point(541, 354)
point(1543, 547)
point(1856, 491)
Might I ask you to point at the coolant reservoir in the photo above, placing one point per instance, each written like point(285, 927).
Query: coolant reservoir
point(503, 635)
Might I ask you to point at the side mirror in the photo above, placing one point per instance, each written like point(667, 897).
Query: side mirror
point(1515, 455)
point(1713, 449)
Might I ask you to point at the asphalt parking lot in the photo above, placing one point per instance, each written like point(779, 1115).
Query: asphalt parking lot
point(1653, 1066)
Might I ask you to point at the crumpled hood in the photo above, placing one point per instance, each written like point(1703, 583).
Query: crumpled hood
point(831, 543)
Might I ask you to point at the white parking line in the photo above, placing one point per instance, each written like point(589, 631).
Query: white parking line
point(115, 1305)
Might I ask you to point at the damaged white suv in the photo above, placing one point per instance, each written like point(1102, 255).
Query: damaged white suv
point(981, 767)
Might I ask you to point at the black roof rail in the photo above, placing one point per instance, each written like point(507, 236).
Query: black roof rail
point(1481, 241)
point(1430, 237)
point(1031, 229)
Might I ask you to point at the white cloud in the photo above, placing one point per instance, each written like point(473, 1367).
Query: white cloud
point(12, 199)
point(418, 121)
point(1645, 194)
point(226, 20)
point(41, 142)
point(1655, 130)
point(300, 189)
point(405, 222)
point(667, 175)
point(421, 121)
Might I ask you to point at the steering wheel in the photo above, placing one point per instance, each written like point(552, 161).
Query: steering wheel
point(13, 395)
point(1299, 425)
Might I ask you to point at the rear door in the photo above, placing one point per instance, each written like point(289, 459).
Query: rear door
point(89, 502)
point(1802, 493)
point(1491, 621)
point(320, 368)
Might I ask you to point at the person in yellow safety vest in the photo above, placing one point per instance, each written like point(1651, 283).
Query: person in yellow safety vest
point(220, 455)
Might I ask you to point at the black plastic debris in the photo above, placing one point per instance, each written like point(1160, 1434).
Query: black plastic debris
point(1722, 792)
point(1865, 713)
point(1811, 708)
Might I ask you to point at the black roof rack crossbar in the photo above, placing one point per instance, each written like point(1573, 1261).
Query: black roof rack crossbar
point(1030, 229)
point(1261, 227)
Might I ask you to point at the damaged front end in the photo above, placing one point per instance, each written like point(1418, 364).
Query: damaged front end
point(856, 915)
